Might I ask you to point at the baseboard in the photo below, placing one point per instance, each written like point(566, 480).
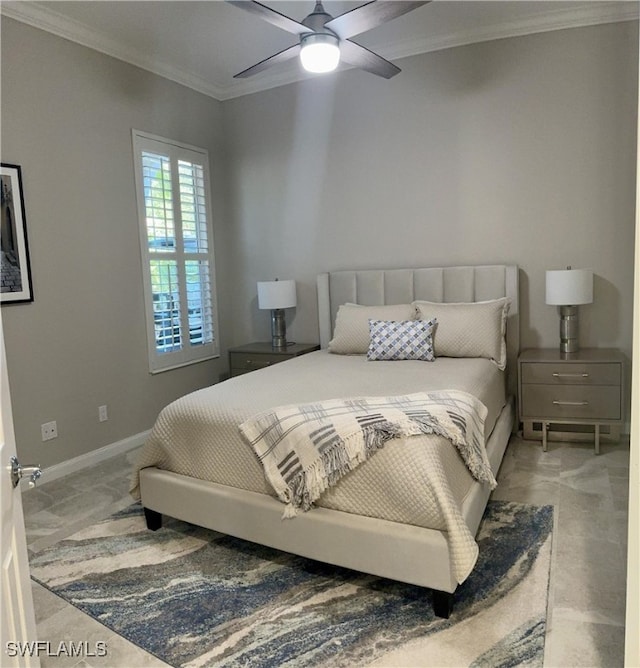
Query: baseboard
point(90, 458)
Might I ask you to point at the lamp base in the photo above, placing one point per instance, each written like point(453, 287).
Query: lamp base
point(569, 329)
point(278, 329)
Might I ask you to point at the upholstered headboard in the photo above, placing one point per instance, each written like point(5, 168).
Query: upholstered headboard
point(437, 284)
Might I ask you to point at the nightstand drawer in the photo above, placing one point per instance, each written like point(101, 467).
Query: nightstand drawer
point(571, 401)
point(569, 374)
point(251, 362)
point(261, 354)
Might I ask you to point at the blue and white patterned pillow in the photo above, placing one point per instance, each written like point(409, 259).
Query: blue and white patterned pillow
point(401, 340)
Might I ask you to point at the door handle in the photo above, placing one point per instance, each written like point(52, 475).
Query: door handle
point(18, 472)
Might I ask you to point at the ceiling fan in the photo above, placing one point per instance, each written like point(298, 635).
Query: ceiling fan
point(325, 40)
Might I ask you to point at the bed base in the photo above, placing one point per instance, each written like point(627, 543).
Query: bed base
point(442, 600)
point(402, 552)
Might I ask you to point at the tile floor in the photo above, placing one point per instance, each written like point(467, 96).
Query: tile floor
point(585, 625)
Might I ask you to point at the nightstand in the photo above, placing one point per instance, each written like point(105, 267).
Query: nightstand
point(252, 356)
point(582, 388)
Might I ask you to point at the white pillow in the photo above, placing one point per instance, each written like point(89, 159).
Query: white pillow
point(351, 333)
point(401, 340)
point(468, 329)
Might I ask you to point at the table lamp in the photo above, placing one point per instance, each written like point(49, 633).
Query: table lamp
point(277, 296)
point(568, 288)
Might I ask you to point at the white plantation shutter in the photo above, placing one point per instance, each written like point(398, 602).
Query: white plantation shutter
point(176, 238)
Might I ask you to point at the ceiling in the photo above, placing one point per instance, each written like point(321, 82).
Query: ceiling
point(203, 44)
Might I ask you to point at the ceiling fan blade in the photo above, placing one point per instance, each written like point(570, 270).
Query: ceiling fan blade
point(357, 55)
point(369, 16)
point(271, 16)
point(279, 57)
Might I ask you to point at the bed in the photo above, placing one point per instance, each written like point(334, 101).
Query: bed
point(383, 517)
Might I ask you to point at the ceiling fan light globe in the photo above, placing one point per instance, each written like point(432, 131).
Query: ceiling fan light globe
point(320, 53)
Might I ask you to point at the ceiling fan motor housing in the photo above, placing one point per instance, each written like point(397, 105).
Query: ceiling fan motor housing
point(316, 22)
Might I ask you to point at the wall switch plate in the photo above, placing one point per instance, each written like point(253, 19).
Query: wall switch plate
point(102, 413)
point(49, 430)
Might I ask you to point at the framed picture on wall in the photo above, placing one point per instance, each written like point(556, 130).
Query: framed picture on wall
point(15, 269)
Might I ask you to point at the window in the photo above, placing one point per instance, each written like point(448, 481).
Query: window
point(176, 238)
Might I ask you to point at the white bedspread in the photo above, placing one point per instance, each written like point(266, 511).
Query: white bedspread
point(198, 436)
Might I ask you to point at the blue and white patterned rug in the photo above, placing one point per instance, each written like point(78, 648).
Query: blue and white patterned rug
point(194, 597)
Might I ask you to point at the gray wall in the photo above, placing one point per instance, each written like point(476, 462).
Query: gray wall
point(67, 115)
point(514, 151)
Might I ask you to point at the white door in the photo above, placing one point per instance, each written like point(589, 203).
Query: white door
point(17, 623)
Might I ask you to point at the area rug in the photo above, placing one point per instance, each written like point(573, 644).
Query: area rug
point(194, 597)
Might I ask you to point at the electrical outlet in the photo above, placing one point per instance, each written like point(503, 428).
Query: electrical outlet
point(102, 413)
point(49, 430)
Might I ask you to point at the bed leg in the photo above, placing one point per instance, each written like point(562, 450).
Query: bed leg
point(153, 519)
point(442, 604)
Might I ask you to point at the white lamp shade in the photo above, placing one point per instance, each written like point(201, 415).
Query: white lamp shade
point(569, 287)
point(276, 294)
point(320, 53)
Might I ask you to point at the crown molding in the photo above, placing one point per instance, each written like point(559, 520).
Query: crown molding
point(554, 19)
point(50, 21)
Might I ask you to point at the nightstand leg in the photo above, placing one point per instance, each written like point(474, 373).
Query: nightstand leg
point(545, 429)
point(597, 439)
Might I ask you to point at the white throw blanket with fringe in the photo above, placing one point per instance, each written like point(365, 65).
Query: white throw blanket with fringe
point(307, 448)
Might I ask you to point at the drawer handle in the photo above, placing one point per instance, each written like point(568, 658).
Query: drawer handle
point(250, 363)
point(570, 403)
point(570, 375)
